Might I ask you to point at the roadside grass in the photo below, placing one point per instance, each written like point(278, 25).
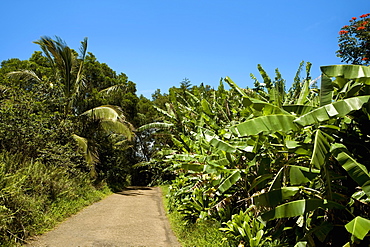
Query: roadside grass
point(35, 197)
point(64, 207)
point(200, 234)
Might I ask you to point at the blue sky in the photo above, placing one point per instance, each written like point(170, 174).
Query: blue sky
point(158, 43)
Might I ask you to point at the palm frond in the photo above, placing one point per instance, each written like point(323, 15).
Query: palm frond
point(123, 128)
point(24, 74)
point(105, 112)
point(90, 153)
point(114, 88)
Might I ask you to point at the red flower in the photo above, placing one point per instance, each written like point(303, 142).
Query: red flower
point(342, 32)
point(365, 58)
point(364, 15)
point(354, 18)
point(344, 26)
point(364, 23)
point(361, 28)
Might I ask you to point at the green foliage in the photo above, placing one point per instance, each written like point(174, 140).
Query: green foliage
point(297, 158)
point(203, 233)
point(35, 196)
point(63, 136)
point(247, 229)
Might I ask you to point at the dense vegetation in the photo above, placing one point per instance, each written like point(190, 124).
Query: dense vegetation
point(275, 167)
point(66, 136)
point(267, 166)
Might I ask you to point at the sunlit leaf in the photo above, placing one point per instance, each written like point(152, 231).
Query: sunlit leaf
point(358, 227)
point(229, 181)
point(299, 207)
point(357, 171)
point(266, 124)
point(336, 109)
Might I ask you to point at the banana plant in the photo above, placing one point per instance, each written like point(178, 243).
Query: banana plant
point(294, 155)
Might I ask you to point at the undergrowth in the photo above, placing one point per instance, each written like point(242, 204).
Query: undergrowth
point(34, 196)
point(204, 233)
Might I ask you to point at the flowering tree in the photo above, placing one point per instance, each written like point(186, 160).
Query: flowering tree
point(354, 41)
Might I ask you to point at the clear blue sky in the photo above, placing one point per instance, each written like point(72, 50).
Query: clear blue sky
point(158, 43)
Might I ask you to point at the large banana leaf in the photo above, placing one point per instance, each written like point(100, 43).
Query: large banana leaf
point(298, 208)
point(357, 171)
point(297, 177)
point(336, 109)
point(265, 124)
point(321, 149)
point(298, 109)
point(346, 71)
point(358, 227)
point(275, 197)
point(217, 143)
point(262, 106)
point(229, 181)
point(326, 90)
point(304, 93)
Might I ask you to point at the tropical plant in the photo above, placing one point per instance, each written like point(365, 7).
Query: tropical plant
point(67, 68)
point(297, 157)
point(68, 76)
point(247, 229)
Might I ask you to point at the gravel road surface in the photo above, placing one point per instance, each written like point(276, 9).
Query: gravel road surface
point(133, 217)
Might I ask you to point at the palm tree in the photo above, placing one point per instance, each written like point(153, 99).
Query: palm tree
point(67, 68)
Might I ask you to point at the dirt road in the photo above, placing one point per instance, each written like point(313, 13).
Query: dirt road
point(133, 217)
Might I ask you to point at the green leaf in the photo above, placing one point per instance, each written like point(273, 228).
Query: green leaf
point(105, 112)
point(157, 125)
point(357, 171)
point(301, 244)
point(336, 109)
point(321, 149)
point(262, 106)
point(89, 151)
point(304, 93)
point(297, 177)
point(358, 227)
point(292, 144)
point(206, 107)
point(192, 167)
point(299, 207)
point(266, 124)
point(234, 86)
point(118, 128)
point(298, 109)
point(275, 197)
point(217, 143)
point(326, 90)
point(346, 71)
point(229, 181)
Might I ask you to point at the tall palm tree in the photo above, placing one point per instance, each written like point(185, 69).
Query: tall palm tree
point(67, 67)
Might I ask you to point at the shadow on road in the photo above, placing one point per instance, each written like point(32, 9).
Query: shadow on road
point(133, 190)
